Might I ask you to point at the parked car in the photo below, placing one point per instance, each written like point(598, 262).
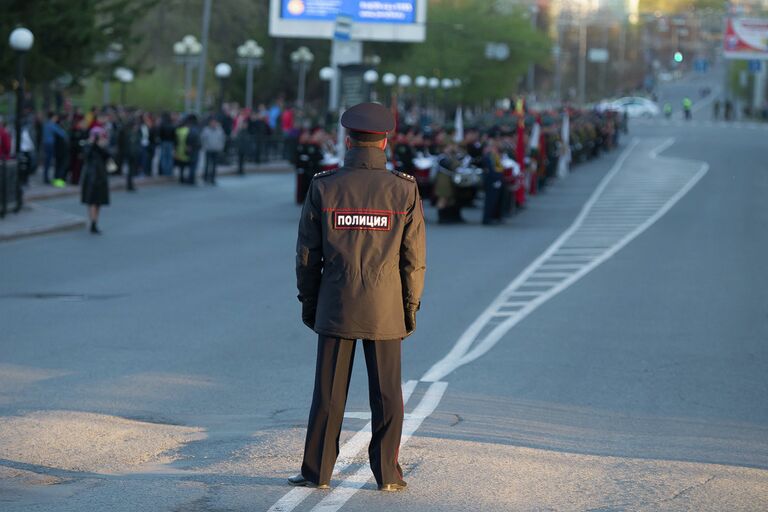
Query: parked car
point(636, 106)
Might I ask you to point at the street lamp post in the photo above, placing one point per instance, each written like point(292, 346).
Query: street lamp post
point(187, 53)
point(534, 15)
point(371, 77)
point(434, 84)
point(327, 74)
point(21, 41)
point(124, 76)
point(107, 59)
point(302, 58)
point(389, 80)
point(421, 83)
point(446, 84)
point(249, 54)
point(222, 72)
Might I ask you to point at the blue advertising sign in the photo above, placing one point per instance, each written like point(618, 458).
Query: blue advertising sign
point(361, 11)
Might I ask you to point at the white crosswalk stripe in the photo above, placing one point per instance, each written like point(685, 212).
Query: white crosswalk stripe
point(677, 123)
point(636, 193)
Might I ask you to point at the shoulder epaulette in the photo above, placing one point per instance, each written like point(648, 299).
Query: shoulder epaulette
point(403, 175)
point(325, 173)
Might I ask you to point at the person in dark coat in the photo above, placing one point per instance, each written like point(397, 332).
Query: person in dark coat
point(360, 264)
point(167, 137)
point(95, 180)
point(493, 181)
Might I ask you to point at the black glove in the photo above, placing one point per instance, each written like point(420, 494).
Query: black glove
point(410, 319)
point(308, 311)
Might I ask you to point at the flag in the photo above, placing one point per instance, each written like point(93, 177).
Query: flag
point(565, 153)
point(535, 136)
point(459, 126)
point(520, 151)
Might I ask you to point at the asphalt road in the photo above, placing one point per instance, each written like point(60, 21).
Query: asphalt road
point(163, 365)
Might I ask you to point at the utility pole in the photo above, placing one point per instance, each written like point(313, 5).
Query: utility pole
point(532, 66)
point(559, 60)
point(203, 57)
point(582, 60)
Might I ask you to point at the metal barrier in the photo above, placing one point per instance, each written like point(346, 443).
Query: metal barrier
point(10, 187)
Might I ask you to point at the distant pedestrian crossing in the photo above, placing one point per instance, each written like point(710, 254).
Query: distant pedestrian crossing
point(703, 123)
point(641, 188)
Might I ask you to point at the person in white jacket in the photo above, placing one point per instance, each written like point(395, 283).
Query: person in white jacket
point(213, 140)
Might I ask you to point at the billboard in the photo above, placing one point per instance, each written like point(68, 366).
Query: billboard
point(372, 20)
point(746, 38)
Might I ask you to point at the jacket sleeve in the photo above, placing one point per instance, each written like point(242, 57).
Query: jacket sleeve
point(309, 248)
point(413, 254)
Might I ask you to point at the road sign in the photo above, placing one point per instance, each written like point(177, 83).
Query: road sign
point(371, 20)
point(754, 66)
point(343, 29)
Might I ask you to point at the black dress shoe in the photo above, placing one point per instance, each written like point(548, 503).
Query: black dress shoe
point(300, 481)
point(399, 486)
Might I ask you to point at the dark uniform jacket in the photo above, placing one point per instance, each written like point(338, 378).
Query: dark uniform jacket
point(361, 251)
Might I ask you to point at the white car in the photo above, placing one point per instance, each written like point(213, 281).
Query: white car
point(636, 106)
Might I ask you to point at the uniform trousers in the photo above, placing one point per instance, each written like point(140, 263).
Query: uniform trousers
point(332, 377)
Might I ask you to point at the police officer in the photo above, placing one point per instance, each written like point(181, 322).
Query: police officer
point(360, 263)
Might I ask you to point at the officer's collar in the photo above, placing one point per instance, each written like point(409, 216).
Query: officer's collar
point(365, 157)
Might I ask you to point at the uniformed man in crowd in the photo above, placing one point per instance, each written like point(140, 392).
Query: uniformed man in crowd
point(360, 263)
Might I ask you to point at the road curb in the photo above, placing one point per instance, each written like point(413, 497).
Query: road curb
point(118, 183)
point(57, 221)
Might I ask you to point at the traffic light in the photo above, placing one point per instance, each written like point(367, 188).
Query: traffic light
point(678, 57)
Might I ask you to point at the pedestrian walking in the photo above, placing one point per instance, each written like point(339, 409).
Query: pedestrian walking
point(493, 181)
point(213, 141)
point(51, 130)
point(5, 141)
point(28, 151)
point(182, 154)
point(61, 156)
point(360, 263)
point(95, 181)
point(193, 147)
point(147, 138)
point(167, 137)
point(687, 104)
point(78, 139)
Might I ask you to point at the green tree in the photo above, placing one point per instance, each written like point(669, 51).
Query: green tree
point(68, 34)
point(457, 34)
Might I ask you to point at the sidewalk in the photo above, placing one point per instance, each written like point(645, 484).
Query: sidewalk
point(35, 219)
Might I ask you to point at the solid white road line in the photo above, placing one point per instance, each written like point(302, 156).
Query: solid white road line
point(347, 454)
point(469, 347)
point(341, 494)
point(463, 352)
point(455, 357)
